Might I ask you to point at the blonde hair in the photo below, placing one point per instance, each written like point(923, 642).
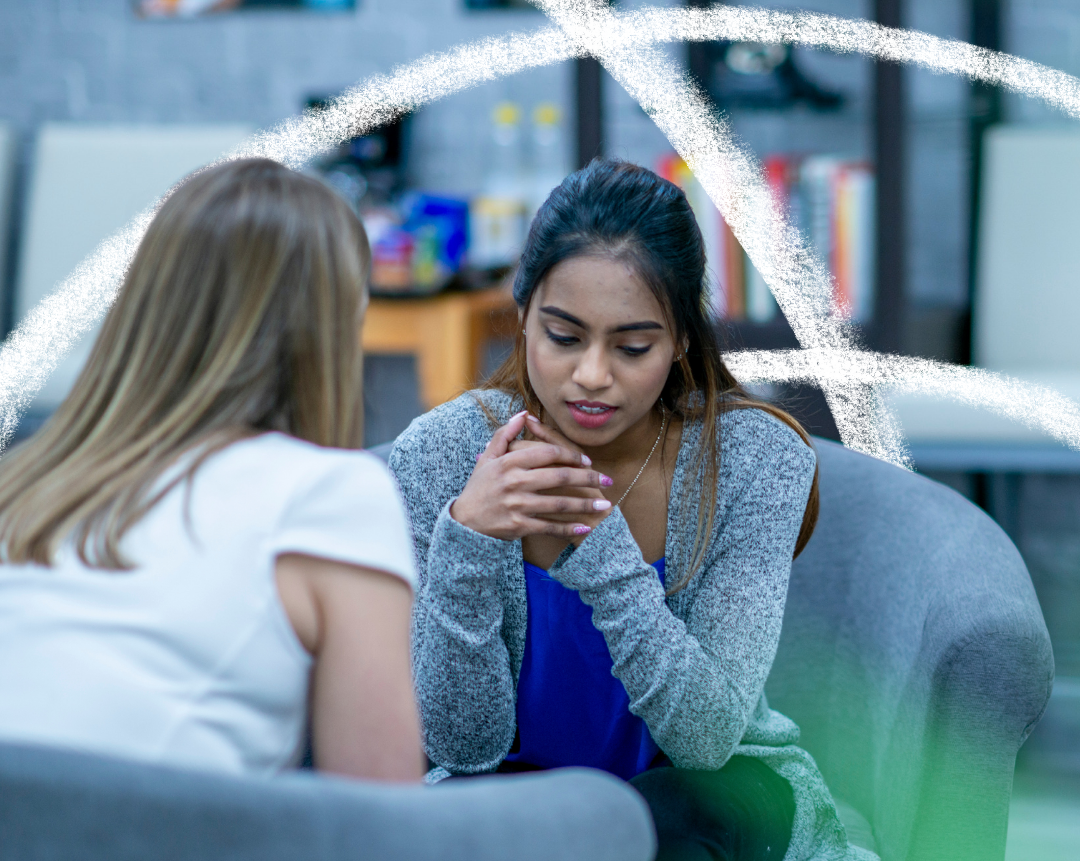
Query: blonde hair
point(239, 314)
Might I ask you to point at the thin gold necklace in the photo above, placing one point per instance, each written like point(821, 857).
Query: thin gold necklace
point(663, 424)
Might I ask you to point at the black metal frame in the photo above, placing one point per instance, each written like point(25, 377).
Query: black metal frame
point(589, 88)
point(985, 111)
point(890, 158)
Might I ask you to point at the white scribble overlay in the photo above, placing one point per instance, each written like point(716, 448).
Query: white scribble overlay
point(730, 175)
point(380, 98)
point(32, 352)
point(1037, 407)
point(847, 36)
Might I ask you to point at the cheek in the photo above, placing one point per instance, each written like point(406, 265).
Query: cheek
point(652, 373)
point(542, 367)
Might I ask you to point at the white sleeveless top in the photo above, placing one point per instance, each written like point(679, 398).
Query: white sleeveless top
point(190, 659)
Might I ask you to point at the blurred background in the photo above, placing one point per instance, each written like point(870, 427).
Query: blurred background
point(947, 213)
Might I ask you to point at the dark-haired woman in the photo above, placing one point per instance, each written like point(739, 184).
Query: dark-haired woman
point(605, 535)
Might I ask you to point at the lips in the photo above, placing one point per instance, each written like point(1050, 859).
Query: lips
point(591, 414)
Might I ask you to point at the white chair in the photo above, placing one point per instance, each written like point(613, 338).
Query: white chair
point(7, 177)
point(88, 181)
point(1027, 304)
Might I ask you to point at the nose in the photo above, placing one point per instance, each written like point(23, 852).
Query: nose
point(593, 371)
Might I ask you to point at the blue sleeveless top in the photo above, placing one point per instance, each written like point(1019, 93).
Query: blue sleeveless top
point(570, 709)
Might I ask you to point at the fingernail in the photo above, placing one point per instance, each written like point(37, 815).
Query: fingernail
point(586, 460)
point(601, 504)
point(605, 481)
point(582, 530)
point(479, 455)
point(519, 415)
point(532, 418)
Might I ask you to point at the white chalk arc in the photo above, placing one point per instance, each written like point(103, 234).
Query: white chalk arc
point(730, 175)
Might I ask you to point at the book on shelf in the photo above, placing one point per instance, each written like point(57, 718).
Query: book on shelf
point(829, 199)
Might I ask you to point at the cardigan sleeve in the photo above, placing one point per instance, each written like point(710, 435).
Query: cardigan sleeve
point(696, 682)
point(461, 667)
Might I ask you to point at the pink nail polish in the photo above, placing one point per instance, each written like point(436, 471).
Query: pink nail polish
point(601, 504)
point(582, 530)
point(532, 418)
point(606, 481)
point(586, 460)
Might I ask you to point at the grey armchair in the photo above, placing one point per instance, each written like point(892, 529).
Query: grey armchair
point(58, 805)
point(914, 657)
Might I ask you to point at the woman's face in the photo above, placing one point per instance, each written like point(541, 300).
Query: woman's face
point(599, 349)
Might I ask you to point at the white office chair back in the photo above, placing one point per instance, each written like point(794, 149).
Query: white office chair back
point(7, 183)
point(88, 181)
point(1027, 303)
point(1027, 308)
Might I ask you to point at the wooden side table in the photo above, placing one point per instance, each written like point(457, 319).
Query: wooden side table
point(446, 333)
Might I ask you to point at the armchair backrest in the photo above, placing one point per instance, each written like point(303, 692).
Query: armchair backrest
point(60, 804)
point(914, 658)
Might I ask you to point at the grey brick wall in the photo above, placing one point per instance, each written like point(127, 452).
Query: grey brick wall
point(92, 60)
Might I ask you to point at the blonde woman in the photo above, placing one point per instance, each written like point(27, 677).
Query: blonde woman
point(193, 548)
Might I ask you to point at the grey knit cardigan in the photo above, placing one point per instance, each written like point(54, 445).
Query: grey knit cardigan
point(694, 663)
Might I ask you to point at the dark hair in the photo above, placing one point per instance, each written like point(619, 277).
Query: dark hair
point(625, 212)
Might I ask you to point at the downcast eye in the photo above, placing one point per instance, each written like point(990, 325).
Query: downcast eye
point(561, 340)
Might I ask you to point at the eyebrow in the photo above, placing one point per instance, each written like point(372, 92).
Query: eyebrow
point(570, 318)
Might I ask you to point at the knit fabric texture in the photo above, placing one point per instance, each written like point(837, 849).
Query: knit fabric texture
point(694, 664)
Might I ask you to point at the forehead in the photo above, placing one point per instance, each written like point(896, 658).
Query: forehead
point(600, 291)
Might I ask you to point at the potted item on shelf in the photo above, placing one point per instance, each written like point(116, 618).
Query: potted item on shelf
point(497, 217)
point(522, 171)
point(439, 227)
point(417, 246)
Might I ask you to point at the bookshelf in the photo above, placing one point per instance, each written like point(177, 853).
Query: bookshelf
point(884, 126)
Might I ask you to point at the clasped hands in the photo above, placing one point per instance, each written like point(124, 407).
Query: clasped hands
point(543, 485)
